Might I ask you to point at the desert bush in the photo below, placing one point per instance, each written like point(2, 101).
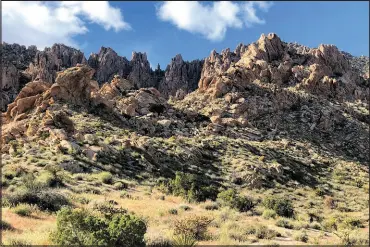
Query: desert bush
point(24, 209)
point(120, 186)
point(124, 194)
point(232, 199)
point(193, 226)
point(211, 206)
point(315, 226)
point(78, 226)
point(330, 224)
point(47, 179)
point(173, 211)
point(320, 191)
point(268, 214)
point(250, 230)
point(45, 199)
point(351, 223)
point(5, 226)
point(301, 236)
point(189, 186)
point(284, 223)
point(184, 240)
point(263, 232)
point(105, 177)
point(282, 206)
point(108, 209)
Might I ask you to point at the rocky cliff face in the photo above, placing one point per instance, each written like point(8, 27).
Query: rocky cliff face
point(140, 71)
point(180, 77)
point(320, 70)
point(269, 59)
point(107, 63)
point(15, 59)
point(57, 58)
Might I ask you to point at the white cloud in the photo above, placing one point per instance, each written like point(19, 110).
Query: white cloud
point(45, 23)
point(211, 21)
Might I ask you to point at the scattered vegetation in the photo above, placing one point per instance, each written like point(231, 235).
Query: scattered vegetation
point(79, 226)
point(282, 206)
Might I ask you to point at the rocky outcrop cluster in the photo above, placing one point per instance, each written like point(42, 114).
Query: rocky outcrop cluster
point(14, 60)
point(324, 70)
point(48, 62)
point(22, 65)
point(180, 77)
point(108, 63)
point(76, 87)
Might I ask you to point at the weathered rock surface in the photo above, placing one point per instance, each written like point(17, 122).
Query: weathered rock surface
point(48, 62)
point(15, 59)
point(140, 72)
point(180, 77)
point(107, 63)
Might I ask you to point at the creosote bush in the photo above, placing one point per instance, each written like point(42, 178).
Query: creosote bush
point(193, 227)
point(45, 199)
point(281, 206)
point(81, 227)
point(106, 177)
point(5, 226)
point(192, 187)
point(232, 199)
point(269, 213)
point(23, 209)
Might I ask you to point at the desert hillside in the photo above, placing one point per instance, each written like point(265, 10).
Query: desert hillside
point(265, 145)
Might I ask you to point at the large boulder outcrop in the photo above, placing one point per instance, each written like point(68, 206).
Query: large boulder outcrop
point(181, 77)
point(15, 59)
point(48, 62)
point(108, 63)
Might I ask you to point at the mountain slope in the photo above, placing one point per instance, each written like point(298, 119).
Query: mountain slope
point(270, 119)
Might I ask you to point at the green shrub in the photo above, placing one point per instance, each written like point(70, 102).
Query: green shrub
point(320, 192)
point(352, 223)
point(23, 209)
point(301, 236)
point(120, 186)
point(108, 209)
point(232, 199)
point(5, 226)
point(106, 177)
point(78, 226)
point(268, 214)
point(194, 227)
point(45, 199)
point(47, 179)
point(284, 223)
point(282, 206)
point(315, 226)
point(189, 186)
point(211, 206)
point(184, 240)
point(172, 211)
point(263, 232)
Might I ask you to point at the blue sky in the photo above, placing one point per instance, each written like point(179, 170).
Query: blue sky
point(163, 30)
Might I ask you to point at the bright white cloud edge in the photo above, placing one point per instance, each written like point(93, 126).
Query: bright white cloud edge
point(45, 23)
point(211, 20)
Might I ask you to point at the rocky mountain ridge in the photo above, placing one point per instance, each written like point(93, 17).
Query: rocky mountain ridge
point(21, 65)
